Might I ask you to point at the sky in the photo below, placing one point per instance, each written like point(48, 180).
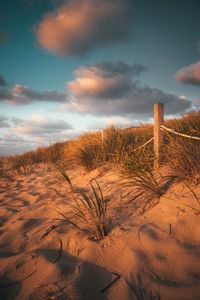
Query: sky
point(69, 66)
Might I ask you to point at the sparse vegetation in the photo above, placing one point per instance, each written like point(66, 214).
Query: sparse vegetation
point(86, 210)
point(142, 292)
point(183, 156)
point(89, 210)
point(91, 152)
point(24, 163)
point(118, 150)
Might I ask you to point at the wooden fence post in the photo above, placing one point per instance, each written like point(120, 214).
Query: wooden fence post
point(158, 135)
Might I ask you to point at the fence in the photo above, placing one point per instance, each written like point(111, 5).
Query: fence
point(159, 129)
point(158, 136)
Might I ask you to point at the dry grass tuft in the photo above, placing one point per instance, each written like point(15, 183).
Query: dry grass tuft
point(183, 154)
point(89, 208)
point(91, 152)
point(140, 291)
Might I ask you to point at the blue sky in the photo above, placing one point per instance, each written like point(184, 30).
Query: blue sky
point(75, 65)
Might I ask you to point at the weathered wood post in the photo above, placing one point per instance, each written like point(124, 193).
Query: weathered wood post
point(158, 134)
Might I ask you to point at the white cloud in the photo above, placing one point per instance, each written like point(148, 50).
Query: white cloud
point(4, 122)
point(113, 89)
point(78, 27)
point(38, 124)
point(27, 134)
point(189, 75)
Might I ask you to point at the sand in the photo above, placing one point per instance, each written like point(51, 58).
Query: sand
point(152, 249)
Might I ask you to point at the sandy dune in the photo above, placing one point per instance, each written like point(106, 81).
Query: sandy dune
point(154, 253)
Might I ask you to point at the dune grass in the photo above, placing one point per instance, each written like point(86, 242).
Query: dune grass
point(118, 149)
point(90, 151)
point(140, 291)
point(24, 163)
point(89, 208)
point(183, 154)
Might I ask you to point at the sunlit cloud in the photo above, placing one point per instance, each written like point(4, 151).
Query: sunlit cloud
point(114, 89)
point(21, 94)
point(40, 125)
point(78, 27)
point(104, 80)
point(189, 75)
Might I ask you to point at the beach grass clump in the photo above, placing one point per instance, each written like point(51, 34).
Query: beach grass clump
point(116, 144)
point(24, 163)
point(54, 153)
point(138, 169)
point(4, 171)
point(147, 182)
point(181, 153)
point(142, 291)
point(1, 166)
point(187, 124)
point(93, 150)
point(89, 208)
point(85, 151)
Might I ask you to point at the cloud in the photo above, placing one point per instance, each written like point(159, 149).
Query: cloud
point(16, 120)
point(118, 121)
point(103, 122)
point(21, 94)
point(4, 122)
point(2, 81)
point(189, 75)
point(41, 126)
point(78, 27)
point(113, 89)
point(104, 80)
point(37, 130)
point(13, 144)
